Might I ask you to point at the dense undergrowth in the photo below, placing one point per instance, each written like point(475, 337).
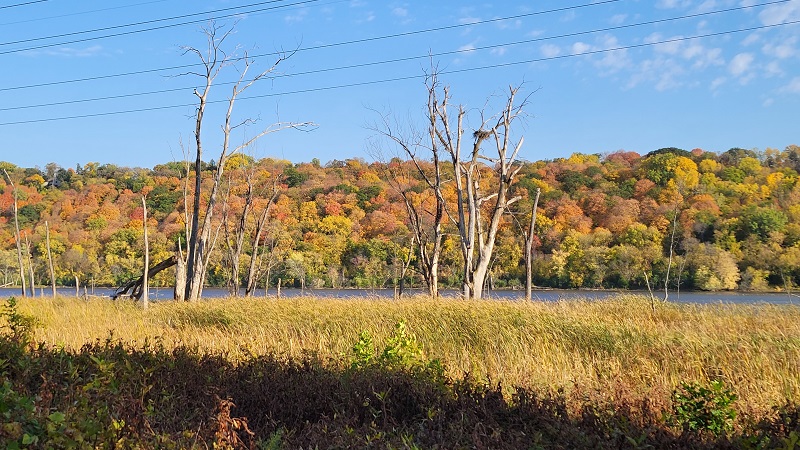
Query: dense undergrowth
point(381, 393)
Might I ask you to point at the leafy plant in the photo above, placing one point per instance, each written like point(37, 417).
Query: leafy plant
point(363, 351)
point(704, 407)
point(402, 351)
point(19, 325)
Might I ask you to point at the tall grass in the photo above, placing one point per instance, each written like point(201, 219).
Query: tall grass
point(598, 346)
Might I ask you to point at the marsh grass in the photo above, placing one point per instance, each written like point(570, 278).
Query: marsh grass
point(603, 348)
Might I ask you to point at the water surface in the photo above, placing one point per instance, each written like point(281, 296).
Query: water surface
point(546, 295)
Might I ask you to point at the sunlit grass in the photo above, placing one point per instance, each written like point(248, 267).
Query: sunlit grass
point(589, 344)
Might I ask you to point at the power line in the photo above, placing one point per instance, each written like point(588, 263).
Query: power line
point(410, 77)
point(161, 27)
point(318, 47)
point(22, 4)
point(91, 11)
point(411, 58)
point(134, 24)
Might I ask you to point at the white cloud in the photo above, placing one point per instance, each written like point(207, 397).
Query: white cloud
point(299, 16)
point(550, 50)
point(693, 50)
point(580, 47)
point(670, 4)
point(466, 48)
point(670, 48)
point(69, 52)
point(741, 63)
point(768, 102)
point(618, 19)
point(506, 25)
point(719, 81)
point(499, 51)
point(663, 73)
point(613, 60)
point(773, 69)
point(709, 57)
point(782, 50)
point(751, 39)
point(706, 6)
point(784, 12)
point(793, 87)
point(400, 12)
point(468, 20)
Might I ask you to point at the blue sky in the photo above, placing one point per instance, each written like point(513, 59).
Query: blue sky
point(602, 75)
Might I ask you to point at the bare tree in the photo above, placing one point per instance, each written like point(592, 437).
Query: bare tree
point(675, 214)
point(213, 59)
point(32, 284)
point(479, 215)
point(529, 236)
point(145, 278)
point(50, 258)
point(425, 221)
point(253, 271)
point(235, 238)
point(17, 238)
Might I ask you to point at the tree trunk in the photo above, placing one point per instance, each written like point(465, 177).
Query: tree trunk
point(179, 293)
point(529, 249)
point(478, 235)
point(671, 251)
point(145, 278)
point(50, 258)
point(32, 285)
point(213, 60)
point(18, 237)
point(427, 234)
point(134, 288)
point(252, 269)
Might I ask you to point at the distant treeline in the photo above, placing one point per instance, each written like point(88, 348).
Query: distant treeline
point(697, 219)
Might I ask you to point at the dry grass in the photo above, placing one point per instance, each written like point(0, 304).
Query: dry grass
point(589, 344)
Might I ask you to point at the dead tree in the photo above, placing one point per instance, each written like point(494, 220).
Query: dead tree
point(32, 284)
point(213, 60)
point(134, 288)
point(145, 275)
point(50, 258)
point(17, 237)
point(425, 221)
point(529, 236)
point(478, 215)
point(255, 257)
point(234, 239)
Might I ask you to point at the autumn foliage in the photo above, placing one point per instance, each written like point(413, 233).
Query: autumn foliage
point(731, 219)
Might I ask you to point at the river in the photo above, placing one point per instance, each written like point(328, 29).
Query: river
point(539, 294)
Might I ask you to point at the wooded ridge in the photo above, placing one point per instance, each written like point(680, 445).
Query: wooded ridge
point(693, 219)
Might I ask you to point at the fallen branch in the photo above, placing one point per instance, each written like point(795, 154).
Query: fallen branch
point(135, 286)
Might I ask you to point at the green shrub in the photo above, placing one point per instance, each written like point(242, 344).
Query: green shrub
point(704, 407)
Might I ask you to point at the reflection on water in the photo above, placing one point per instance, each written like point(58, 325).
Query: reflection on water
point(539, 295)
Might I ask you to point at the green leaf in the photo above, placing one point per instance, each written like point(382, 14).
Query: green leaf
point(57, 417)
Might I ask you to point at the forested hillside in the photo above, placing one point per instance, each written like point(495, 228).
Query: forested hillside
point(700, 219)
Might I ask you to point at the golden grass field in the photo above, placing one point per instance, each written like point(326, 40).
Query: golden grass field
point(598, 346)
